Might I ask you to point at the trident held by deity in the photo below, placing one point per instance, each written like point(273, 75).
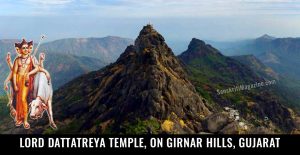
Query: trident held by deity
point(41, 39)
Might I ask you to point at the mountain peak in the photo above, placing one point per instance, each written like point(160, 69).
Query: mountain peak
point(149, 38)
point(147, 29)
point(198, 48)
point(196, 42)
point(266, 37)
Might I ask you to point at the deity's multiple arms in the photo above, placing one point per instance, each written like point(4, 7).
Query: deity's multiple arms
point(15, 71)
point(9, 77)
point(8, 60)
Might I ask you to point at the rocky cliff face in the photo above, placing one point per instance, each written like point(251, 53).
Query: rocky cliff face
point(146, 82)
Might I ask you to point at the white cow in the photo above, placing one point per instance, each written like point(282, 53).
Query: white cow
point(43, 99)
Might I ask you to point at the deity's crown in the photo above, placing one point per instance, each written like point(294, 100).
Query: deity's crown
point(19, 45)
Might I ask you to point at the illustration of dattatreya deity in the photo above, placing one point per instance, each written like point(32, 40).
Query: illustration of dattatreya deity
point(28, 85)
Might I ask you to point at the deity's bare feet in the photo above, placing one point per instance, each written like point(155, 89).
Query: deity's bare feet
point(19, 123)
point(26, 125)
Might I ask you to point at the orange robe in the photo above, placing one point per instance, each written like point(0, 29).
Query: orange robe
point(23, 94)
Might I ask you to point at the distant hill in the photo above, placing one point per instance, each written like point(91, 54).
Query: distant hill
point(281, 54)
point(255, 46)
point(64, 68)
point(211, 71)
point(286, 86)
point(257, 66)
point(265, 37)
point(106, 49)
point(7, 45)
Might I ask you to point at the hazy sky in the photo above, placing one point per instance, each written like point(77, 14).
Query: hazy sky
point(177, 20)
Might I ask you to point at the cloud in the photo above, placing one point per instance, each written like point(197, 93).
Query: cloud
point(151, 8)
point(191, 8)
